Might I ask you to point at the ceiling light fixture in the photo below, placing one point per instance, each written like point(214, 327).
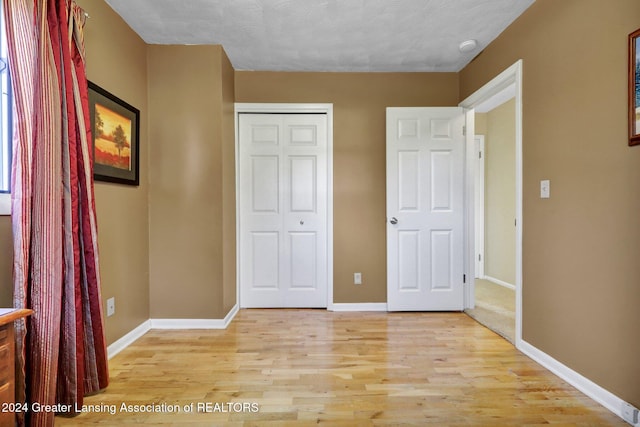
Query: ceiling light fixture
point(468, 46)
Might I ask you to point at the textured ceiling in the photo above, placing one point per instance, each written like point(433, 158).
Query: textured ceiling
point(327, 35)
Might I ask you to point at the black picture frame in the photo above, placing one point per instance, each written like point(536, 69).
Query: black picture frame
point(634, 88)
point(115, 137)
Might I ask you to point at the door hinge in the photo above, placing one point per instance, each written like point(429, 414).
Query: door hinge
point(464, 131)
point(479, 154)
point(479, 257)
point(464, 278)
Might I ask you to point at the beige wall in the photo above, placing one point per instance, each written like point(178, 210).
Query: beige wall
point(580, 267)
point(191, 253)
point(228, 185)
point(500, 193)
point(480, 123)
point(359, 102)
point(116, 61)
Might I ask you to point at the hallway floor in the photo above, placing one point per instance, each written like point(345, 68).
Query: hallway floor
point(495, 308)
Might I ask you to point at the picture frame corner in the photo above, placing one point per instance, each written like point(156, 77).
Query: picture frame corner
point(634, 88)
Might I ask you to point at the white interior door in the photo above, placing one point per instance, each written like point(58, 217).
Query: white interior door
point(425, 209)
point(283, 210)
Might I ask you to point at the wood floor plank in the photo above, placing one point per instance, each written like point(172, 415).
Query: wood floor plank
point(314, 367)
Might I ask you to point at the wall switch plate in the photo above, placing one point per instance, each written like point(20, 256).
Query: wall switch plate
point(629, 414)
point(357, 278)
point(545, 189)
point(111, 306)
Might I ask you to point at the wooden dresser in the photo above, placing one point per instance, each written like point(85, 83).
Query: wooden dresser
point(7, 361)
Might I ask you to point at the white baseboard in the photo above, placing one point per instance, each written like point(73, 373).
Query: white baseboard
point(147, 325)
point(365, 306)
point(500, 282)
point(585, 385)
point(195, 323)
point(128, 339)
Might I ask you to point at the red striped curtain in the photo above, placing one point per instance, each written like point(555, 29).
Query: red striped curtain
point(61, 347)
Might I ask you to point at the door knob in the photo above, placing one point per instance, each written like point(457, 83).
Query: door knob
point(394, 220)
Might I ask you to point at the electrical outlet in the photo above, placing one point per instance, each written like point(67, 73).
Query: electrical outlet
point(357, 278)
point(111, 306)
point(629, 414)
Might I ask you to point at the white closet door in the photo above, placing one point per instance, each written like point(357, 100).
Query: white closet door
point(283, 210)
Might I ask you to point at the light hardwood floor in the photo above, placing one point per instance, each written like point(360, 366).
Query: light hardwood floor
point(310, 367)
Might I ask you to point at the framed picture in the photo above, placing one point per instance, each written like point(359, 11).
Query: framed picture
point(115, 130)
point(634, 88)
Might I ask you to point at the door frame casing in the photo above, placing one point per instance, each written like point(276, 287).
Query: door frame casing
point(512, 76)
point(479, 206)
point(288, 108)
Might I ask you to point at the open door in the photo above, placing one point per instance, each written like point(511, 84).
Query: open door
point(425, 208)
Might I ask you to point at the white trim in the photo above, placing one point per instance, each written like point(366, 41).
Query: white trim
point(195, 323)
point(242, 107)
point(500, 282)
point(510, 76)
point(478, 182)
point(499, 83)
point(363, 306)
point(282, 108)
point(497, 100)
point(469, 209)
point(585, 385)
point(231, 315)
point(5, 204)
point(128, 339)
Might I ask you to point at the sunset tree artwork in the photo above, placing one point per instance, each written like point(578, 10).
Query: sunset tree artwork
point(112, 138)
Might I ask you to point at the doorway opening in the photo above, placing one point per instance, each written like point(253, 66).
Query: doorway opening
point(495, 220)
point(495, 214)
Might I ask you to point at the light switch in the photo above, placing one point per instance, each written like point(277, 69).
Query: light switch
point(545, 189)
